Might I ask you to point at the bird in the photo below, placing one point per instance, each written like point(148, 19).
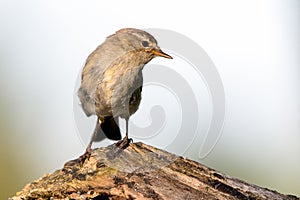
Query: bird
point(112, 80)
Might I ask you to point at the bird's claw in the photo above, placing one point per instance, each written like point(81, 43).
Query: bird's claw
point(124, 143)
point(84, 157)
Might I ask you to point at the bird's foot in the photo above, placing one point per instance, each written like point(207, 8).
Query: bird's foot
point(84, 156)
point(124, 143)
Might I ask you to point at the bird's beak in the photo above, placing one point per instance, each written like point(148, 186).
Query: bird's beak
point(159, 52)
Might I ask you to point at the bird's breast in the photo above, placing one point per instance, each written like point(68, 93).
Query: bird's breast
point(117, 90)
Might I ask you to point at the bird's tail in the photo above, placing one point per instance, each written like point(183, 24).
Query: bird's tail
point(110, 129)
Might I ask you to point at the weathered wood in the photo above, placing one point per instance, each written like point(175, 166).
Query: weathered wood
point(141, 172)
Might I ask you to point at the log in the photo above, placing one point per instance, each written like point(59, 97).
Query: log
point(141, 172)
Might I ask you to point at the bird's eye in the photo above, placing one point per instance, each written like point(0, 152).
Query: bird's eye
point(145, 43)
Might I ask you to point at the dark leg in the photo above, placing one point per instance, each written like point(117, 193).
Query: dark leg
point(122, 144)
point(126, 136)
point(88, 150)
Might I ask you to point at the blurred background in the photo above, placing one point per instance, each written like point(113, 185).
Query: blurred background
point(254, 45)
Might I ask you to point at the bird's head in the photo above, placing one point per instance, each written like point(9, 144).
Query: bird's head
point(135, 39)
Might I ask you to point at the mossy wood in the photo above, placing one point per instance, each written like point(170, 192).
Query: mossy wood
point(140, 172)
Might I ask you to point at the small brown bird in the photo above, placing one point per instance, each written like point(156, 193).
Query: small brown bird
point(112, 81)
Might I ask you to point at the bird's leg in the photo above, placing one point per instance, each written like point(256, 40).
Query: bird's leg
point(122, 144)
point(88, 150)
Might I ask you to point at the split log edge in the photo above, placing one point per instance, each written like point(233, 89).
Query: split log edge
point(141, 172)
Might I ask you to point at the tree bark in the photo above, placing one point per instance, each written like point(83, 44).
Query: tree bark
point(140, 172)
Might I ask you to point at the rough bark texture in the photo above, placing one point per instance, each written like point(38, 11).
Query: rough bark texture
point(141, 172)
